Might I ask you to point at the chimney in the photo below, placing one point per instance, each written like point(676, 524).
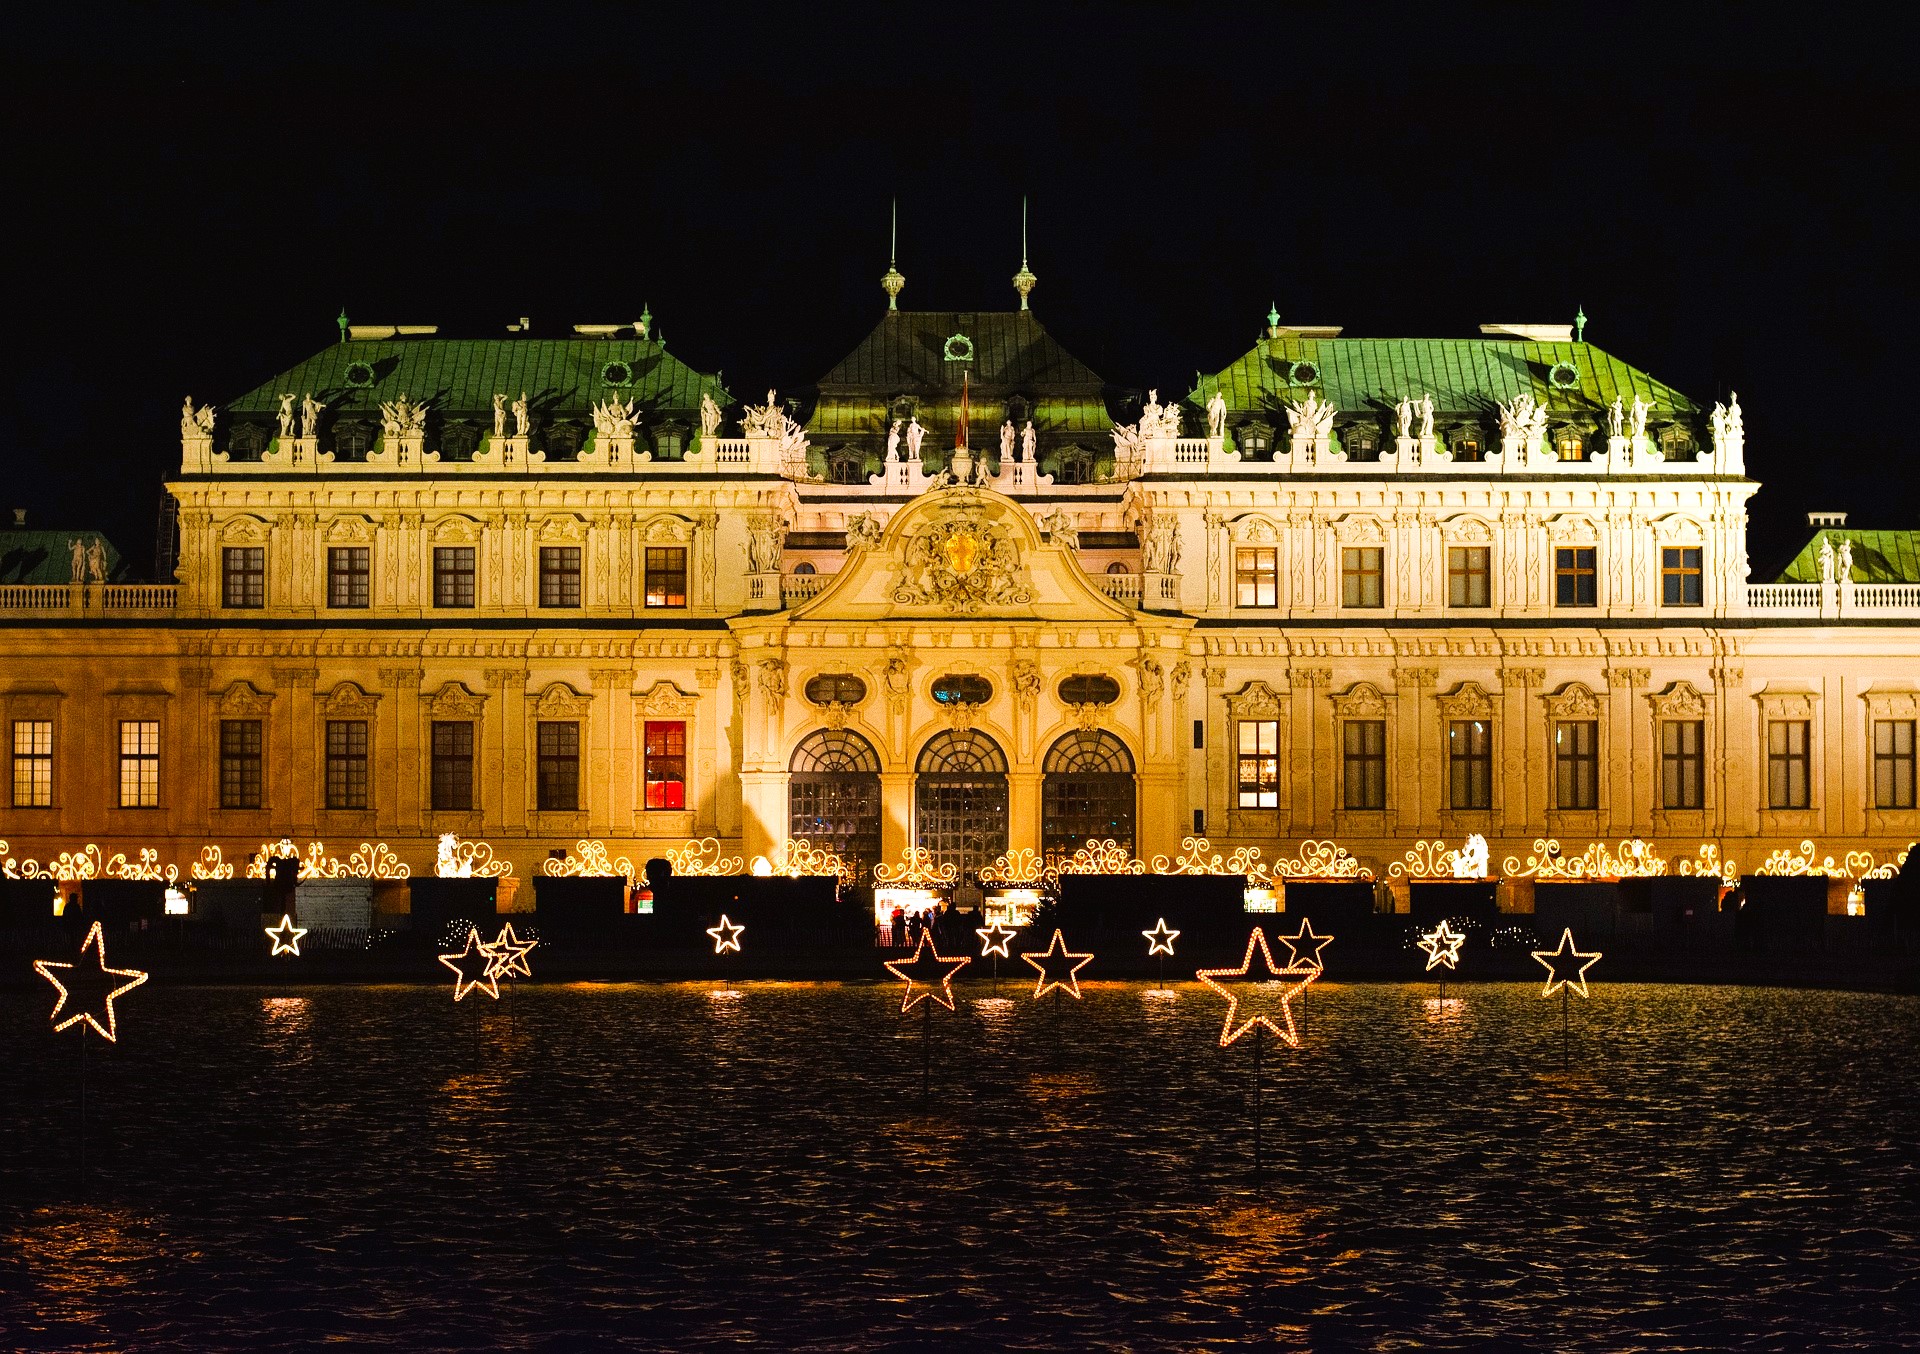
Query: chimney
point(1826, 519)
point(19, 519)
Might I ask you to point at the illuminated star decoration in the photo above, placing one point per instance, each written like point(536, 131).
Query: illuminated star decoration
point(1250, 989)
point(1058, 968)
point(726, 936)
point(93, 985)
point(474, 967)
point(1303, 947)
point(286, 937)
point(1562, 968)
point(1160, 939)
point(994, 938)
point(1442, 945)
point(928, 974)
point(510, 954)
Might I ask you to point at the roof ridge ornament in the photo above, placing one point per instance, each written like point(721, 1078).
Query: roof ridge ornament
point(893, 283)
point(1024, 280)
point(1579, 324)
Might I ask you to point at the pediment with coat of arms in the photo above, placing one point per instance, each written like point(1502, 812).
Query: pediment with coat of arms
point(964, 562)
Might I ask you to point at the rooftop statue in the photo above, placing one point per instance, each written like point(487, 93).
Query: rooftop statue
point(1425, 405)
point(709, 415)
point(310, 415)
point(1006, 441)
point(1826, 559)
point(1845, 565)
point(77, 558)
point(521, 417)
point(1403, 418)
point(893, 443)
point(1217, 415)
point(97, 560)
point(195, 422)
point(1312, 417)
point(499, 415)
point(1639, 417)
point(286, 414)
point(1616, 421)
point(1029, 442)
point(915, 436)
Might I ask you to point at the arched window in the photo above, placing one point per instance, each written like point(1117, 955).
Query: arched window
point(1570, 443)
point(841, 688)
point(1118, 567)
point(962, 688)
point(246, 442)
point(458, 441)
point(352, 440)
point(1086, 793)
point(1089, 688)
point(803, 569)
point(833, 796)
point(960, 800)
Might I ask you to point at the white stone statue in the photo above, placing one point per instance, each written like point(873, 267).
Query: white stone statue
point(191, 424)
point(1826, 560)
point(709, 416)
point(205, 419)
point(1403, 418)
point(1006, 441)
point(77, 559)
point(1217, 415)
point(1162, 553)
point(1735, 426)
point(766, 534)
point(1312, 417)
point(521, 416)
point(864, 529)
point(1470, 861)
point(915, 436)
point(1060, 526)
point(1717, 421)
point(1129, 448)
point(97, 560)
point(1638, 418)
point(286, 415)
point(1425, 405)
point(447, 863)
point(310, 415)
point(893, 443)
point(615, 418)
point(1844, 568)
point(389, 421)
point(1616, 420)
point(1029, 443)
point(499, 415)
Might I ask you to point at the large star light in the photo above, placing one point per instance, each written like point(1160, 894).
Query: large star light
point(286, 937)
point(928, 974)
point(1253, 998)
point(726, 936)
point(510, 954)
point(92, 986)
point(1160, 939)
point(1442, 945)
point(993, 939)
point(1058, 968)
point(1303, 946)
point(1566, 967)
point(474, 967)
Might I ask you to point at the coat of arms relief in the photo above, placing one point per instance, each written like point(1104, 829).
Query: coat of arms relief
point(962, 562)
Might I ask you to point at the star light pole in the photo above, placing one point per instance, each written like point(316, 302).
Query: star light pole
point(1251, 991)
point(1566, 968)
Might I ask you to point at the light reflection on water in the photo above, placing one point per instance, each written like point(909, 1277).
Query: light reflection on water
point(686, 1165)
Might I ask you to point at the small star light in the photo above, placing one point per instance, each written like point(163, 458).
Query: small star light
point(726, 936)
point(510, 954)
point(1442, 945)
point(994, 938)
point(474, 967)
point(1303, 947)
point(1251, 990)
point(286, 937)
point(1160, 939)
point(930, 972)
point(88, 986)
point(1562, 969)
point(1058, 968)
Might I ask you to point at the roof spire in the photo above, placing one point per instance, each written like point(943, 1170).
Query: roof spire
point(892, 283)
point(342, 322)
point(644, 325)
point(1024, 280)
point(1273, 320)
point(1580, 324)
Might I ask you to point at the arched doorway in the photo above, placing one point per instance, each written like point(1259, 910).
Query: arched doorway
point(833, 796)
point(960, 800)
point(1086, 793)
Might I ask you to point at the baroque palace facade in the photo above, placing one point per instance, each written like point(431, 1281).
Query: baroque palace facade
point(963, 595)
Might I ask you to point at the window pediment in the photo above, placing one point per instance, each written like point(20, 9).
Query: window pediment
point(1891, 703)
point(1255, 529)
point(1572, 529)
point(561, 701)
point(1255, 700)
point(667, 527)
point(1464, 528)
point(456, 529)
point(350, 529)
point(1362, 700)
point(1678, 528)
point(242, 699)
point(244, 530)
point(1359, 528)
point(1574, 700)
point(348, 699)
point(454, 701)
point(1786, 703)
point(1468, 700)
point(664, 698)
point(562, 528)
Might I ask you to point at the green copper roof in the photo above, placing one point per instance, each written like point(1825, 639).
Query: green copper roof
point(906, 352)
point(43, 556)
point(1878, 556)
point(1361, 375)
point(559, 376)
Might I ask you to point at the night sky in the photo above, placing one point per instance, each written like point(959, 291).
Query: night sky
point(196, 194)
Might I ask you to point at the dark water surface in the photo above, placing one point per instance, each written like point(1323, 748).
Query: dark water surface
point(664, 1166)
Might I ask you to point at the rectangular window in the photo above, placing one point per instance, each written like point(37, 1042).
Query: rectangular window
point(1365, 756)
point(558, 787)
point(1573, 576)
point(1680, 575)
point(1470, 764)
point(1576, 766)
point(1259, 763)
point(559, 575)
point(349, 577)
point(1467, 576)
point(240, 764)
point(1256, 576)
point(1788, 763)
point(1360, 575)
point(452, 765)
point(32, 763)
point(666, 764)
point(1681, 758)
point(139, 763)
point(453, 575)
point(346, 763)
point(1893, 764)
point(243, 577)
point(667, 575)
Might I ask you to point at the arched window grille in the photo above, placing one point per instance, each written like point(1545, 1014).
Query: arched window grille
point(960, 800)
point(1086, 793)
point(833, 796)
point(961, 688)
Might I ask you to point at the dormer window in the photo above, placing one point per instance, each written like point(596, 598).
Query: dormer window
point(1255, 441)
point(1361, 442)
point(352, 440)
point(670, 442)
point(1073, 465)
point(1466, 444)
point(847, 465)
point(1676, 442)
point(458, 441)
point(563, 442)
point(1570, 443)
point(246, 442)
point(1019, 410)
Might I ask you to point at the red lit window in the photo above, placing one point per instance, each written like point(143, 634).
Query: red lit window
point(666, 764)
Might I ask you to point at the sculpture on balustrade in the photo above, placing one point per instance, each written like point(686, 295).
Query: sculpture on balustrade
point(1403, 418)
point(1312, 417)
point(403, 416)
point(1844, 569)
point(1425, 405)
point(96, 560)
point(709, 416)
point(77, 559)
point(1060, 526)
point(616, 418)
point(1217, 415)
point(1826, 560)
point(1129, 447)
point(893, 443)
point(1162, 553)
point(766, 534)
point(196, 422)
point(310, 415)
point(286, 414)
point(864, 529)
point(499, 415)
point(1638, 417)
point(1029, 442)
point(1006, 441)
point(915, 436)
point(1616, 420)
point(1523, 420)
point(522, 417)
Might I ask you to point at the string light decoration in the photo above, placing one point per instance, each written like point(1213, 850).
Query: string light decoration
point(1442, 945)
point(285, 937)
point(374, 860)
point(1160, 939)
point(1320, 860)
point(1304, 947)
point(1020, 868)
point(474, 967)
point(799, 858)
point(917, 869)
point(456, 858)
point(1708, 863)
point(1424, 860)
point(1103, 858)
point(994, 938)
point(1249, 991)
point(1058, 968)
point(510, 954)
point(726, 936)
point(89, 862)
point(1633, 859)
point(701, 856)
point(929, 974)
point(589, 860)
point(1198, 857)
point(1566, 966)
point(93, 984)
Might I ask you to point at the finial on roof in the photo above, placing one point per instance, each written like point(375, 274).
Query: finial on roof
point(1024, 280)
point(892, 283)
point(645, 323)
point(1580, 324)
point(1273, 320)
point(342, 322)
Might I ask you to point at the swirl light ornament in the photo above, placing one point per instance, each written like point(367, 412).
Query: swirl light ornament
point(917, 869)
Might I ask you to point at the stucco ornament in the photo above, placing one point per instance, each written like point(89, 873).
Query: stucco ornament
point(766, 536)
point(773, 680)
point(1061, 529)
point(864, 530)
point(961, 562)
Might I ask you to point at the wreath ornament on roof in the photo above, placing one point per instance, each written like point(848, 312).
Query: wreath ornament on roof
point(958, 348)
point(617, 373)
point(359, 375)
point(1563, 376)
point(1303, 373)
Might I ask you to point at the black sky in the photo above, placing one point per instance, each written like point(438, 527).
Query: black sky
point(196, 192)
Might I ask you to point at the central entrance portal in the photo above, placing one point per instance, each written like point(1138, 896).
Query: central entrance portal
point(960, 801)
